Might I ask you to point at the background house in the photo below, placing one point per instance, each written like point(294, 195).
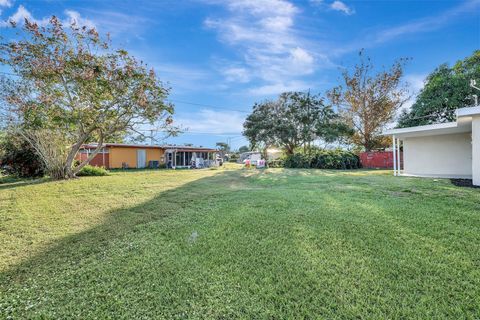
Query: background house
point(254, 156)
point(119, 155)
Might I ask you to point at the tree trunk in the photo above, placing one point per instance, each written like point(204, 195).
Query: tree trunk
point(73, 152)
point(72, 171)
point(289, 150)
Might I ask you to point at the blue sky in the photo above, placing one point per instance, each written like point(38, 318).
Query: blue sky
point(220, 56)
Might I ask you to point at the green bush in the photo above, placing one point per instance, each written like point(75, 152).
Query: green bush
point(297, 160)
point(18, 158)
point(233, 157)
point(89, 170)
point(325, 159)
point(278, 163)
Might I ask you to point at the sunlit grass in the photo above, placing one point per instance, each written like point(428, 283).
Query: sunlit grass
point(237, 243)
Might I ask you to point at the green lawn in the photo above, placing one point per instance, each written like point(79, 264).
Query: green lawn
point(240, 244)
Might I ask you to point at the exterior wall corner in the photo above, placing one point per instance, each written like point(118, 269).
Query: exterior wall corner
point(476, 150)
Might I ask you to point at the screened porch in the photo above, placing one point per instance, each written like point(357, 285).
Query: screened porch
point(181, 158)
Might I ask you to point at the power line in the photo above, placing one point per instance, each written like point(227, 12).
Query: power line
point(230, 134)
point(208, 106)
point(444, 111)
point(9, 74)
point(243, 111)
point(174, 100)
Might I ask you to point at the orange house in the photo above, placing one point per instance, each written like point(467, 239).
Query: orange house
point(119, 155)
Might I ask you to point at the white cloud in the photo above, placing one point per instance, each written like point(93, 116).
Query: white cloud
point(340, 6)
point(415, 83)
point(115, 23)
point(280, 23)
point(19, 17)
point(119, 24)
point(302, 58)
point(262, 7)
point(432, 23)
point(263, 33)
point(74, 17)
point(214, 122)
point(279, 87)
point(22, 13)
point(181, 78)
point(428, 23)
point(6, 3)
point(236, 74)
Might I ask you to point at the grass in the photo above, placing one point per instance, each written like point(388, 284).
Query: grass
point(239, 244)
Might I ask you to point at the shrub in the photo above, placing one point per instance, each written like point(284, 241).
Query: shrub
point(17, 157)
point(325, 159)
point(89, 170)
point(297, 160)
point(278, 163)
point(233, 157)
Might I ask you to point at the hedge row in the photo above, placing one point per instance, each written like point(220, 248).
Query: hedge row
point(329, 159)
point(91, 171)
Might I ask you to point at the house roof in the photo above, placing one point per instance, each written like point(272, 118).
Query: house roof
point(470, 111)
point(142, 146)
point(187, 148)
point(462, 125)
point(250, 152)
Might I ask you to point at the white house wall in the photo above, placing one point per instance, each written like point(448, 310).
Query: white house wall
point(476, 150)
point(448, 156)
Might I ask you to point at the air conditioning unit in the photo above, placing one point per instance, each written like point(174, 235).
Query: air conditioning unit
point(153, 164)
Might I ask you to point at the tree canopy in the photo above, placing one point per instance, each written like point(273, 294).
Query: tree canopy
point(446, 89)
point(243, 149)
point(295, 119)
point(72, 84)
point(369, 100)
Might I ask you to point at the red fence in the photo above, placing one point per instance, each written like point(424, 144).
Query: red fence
point(378, 159)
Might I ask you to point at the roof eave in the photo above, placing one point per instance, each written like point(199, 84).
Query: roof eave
point(468, 112)
point(426, 128)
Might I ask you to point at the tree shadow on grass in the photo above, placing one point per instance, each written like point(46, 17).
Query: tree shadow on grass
point(9, 182)
point(225, 247)
point(34, 287)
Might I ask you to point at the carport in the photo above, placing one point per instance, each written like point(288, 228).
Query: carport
point(445, 150)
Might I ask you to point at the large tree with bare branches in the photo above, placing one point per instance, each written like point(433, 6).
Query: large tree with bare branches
point(369, 100)
point(70, 87)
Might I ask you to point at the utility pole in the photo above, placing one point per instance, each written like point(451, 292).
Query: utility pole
point(152, 136)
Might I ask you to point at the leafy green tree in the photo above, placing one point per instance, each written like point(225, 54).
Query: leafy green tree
point(72, 85)
point(295, 119)
point(369, 100)
point(446, 89)
point(243, 149)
